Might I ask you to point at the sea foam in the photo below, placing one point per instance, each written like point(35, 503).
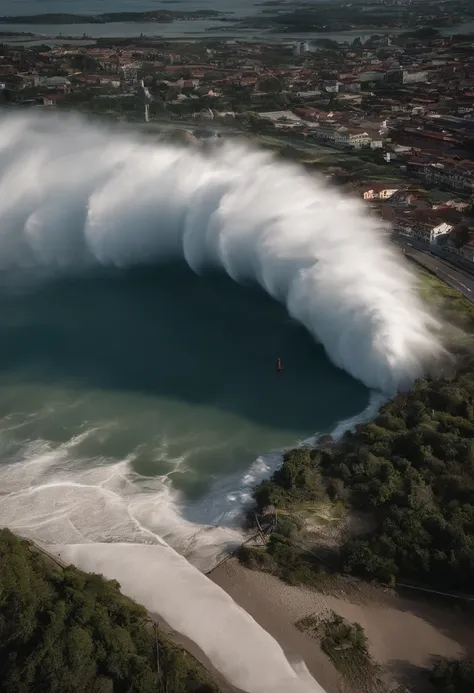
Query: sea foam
point(73, 195)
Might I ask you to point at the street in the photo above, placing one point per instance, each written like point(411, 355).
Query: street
point(457, 278)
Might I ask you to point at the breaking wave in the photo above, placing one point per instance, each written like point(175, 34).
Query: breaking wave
point(73, 195)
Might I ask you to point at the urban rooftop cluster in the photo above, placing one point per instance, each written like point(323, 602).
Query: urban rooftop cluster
point(404, 102)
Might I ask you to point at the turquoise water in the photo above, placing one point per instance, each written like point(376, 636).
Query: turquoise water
point(170, 372)
point(191, 29)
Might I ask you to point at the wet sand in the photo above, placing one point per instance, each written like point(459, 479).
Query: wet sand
point(405, 636)
point(276, 607)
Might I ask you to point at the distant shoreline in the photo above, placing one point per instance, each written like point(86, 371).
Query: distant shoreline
point(192, 29)
point(111, 17)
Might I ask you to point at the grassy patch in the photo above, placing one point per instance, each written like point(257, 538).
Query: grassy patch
point(449, 303)
point(345, 644)
point(256, 558)
point(288, 553)
point(325, 513)
point(293, 564)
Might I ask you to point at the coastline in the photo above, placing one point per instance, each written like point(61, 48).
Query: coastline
point(405, 635)
point(178, 30)
point(177, 638)
point(265, 608)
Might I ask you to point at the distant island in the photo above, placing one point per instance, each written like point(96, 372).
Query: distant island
point(282, 17)
point(110, 17)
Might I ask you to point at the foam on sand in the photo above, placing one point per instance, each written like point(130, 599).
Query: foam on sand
point(245, 654)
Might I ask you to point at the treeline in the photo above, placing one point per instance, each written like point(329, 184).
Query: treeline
point(65, 630)
point(454, 677)
point(413, 469)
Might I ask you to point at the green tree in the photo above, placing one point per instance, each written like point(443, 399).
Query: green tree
point(271, 84)
point(64, 630)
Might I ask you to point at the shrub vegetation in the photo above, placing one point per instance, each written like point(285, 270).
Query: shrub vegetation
point(412, 469)
point(346, 646)
point(62, 630)
point(454, 677)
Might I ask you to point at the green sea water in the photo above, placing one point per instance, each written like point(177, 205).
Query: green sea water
point(170, 374)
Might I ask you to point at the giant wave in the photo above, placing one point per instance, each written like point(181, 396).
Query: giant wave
point(74, 195)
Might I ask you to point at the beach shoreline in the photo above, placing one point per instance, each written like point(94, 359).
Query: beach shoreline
point(405, 636)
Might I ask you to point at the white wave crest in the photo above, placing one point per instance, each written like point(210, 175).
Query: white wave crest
point(72, 195)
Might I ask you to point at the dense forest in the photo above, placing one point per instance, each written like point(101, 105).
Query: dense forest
point(411, 470)
point(62, 630)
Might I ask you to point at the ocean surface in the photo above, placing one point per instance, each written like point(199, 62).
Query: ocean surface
point(139, 399)
point(193, 29)
point(146, 291)
point(120, 390)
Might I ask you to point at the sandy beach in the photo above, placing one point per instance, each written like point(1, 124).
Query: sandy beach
point(405, 636)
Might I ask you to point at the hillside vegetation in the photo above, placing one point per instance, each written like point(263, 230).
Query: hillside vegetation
point(65, 630)
point(411, 470)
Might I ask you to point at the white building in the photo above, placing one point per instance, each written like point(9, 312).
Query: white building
point(352, 137)
point(301, 48)
point(422, 231)
point(376, 144)
point(412, 76)
point(58, 82)
point(374, 193)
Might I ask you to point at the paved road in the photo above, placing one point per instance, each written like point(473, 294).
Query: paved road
point(459, 279)
point(458, 263)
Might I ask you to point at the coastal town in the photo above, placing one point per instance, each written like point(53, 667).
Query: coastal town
point(389, 116)
point(129, 441)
